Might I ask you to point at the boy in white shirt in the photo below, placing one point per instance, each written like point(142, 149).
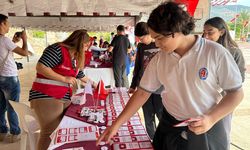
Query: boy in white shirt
point(193, 71)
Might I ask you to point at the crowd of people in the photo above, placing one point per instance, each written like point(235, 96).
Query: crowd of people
point(177, 76)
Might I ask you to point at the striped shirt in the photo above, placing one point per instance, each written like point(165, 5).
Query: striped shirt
point(52, 56)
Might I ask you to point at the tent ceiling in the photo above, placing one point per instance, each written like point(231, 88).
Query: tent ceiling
point(125, 11)
point(72, 23)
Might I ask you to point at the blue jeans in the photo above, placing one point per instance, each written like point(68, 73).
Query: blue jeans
point(9, 90)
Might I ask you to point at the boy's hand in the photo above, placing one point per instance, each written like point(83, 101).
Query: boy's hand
point(201, 126)
point(107, 135)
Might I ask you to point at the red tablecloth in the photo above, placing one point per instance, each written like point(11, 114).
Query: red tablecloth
point(131, 135)
point(74, 110)
point(102, 65)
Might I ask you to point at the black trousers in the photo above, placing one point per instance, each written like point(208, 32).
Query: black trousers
point(168, 137)
point(121, 79)
point(152, 107)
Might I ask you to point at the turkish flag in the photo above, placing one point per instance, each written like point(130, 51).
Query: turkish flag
point(101, 93)
point(190, 4)
point(245, 23)
point(232, 20)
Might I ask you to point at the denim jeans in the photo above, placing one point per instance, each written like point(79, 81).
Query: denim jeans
point(9, 90)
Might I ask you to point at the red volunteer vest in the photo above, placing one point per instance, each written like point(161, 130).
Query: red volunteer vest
point(54, 88)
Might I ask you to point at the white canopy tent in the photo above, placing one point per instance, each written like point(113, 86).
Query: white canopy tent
point(93, 15)
point(68, 15)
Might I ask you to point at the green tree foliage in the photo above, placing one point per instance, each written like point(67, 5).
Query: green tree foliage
point(243, 19)
point(105, 35)
point(241, 29)
point(38, 33)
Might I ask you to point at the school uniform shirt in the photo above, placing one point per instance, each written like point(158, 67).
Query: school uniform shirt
point(192, 82)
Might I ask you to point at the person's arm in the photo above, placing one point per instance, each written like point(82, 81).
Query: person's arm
point(138, 67)
point(135, 102)
point(240, 61)
point(225, 107)
point(24, 50)
point(85, 80)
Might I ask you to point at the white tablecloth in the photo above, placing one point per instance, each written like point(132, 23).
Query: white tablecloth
point(106, 74)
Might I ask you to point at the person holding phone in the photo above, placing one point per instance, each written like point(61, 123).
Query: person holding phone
point(9, 82)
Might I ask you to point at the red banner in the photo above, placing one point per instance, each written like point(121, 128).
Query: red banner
point(190, 4)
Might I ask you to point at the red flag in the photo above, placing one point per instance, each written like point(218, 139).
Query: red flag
point(101, 93)
point(101, 88)
point(232, 20)
point(245, 23)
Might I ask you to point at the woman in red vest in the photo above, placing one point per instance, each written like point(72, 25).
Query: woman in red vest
point(57, 72)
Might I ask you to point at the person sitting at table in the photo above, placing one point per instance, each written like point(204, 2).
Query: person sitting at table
point(57, 72)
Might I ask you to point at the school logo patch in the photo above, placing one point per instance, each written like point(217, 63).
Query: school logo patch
point(203, 73)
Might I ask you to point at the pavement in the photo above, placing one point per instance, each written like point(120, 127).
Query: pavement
point(240, 135)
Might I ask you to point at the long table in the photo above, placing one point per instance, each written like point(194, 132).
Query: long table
point(131, 135)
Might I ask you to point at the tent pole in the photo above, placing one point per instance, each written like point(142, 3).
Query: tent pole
point(46, 38)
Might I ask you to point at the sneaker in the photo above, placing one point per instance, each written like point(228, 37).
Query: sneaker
point(11, 138)
point(2, 136)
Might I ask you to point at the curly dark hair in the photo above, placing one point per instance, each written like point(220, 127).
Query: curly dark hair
point(169, 18)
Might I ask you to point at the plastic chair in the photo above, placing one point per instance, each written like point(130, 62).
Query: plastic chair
point(28, 124)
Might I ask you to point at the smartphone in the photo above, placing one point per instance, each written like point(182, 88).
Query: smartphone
point(18, 34)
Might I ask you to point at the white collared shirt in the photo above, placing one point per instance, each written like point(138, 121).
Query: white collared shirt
point(192, 82)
